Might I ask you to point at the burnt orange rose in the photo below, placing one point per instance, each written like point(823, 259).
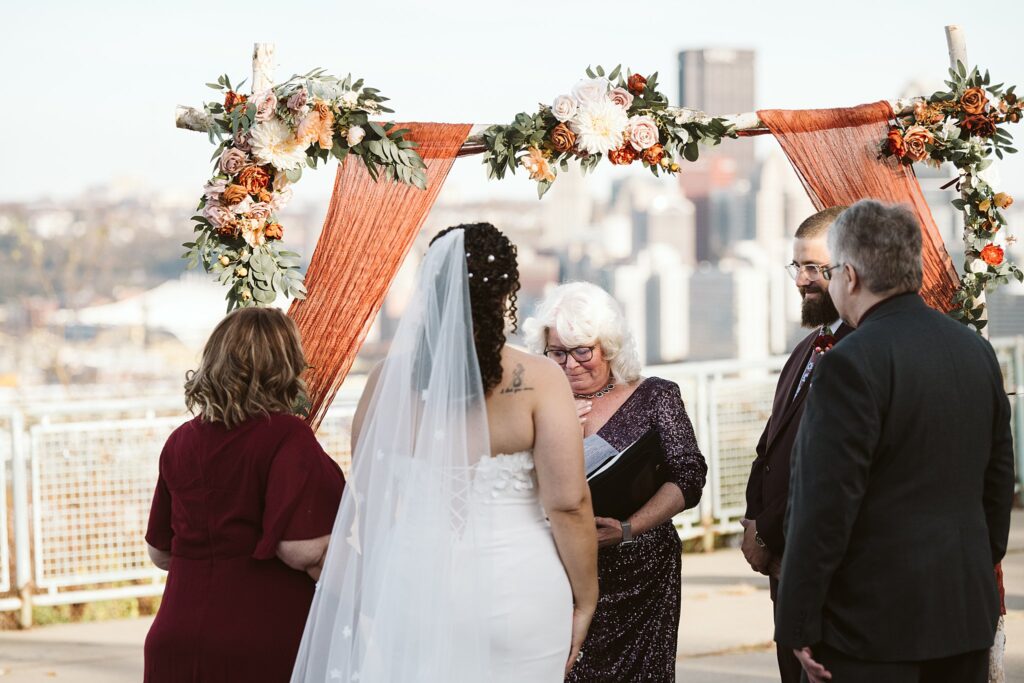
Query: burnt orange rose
point(916, 140)
point(895, 141)
point(1003, 200)
point(623, 156)
point(234, 194)
point(253, 179)
point(228, 229)
point(992, 255)
point(636, 84)
point(979, 125)
point(654, 154)
point(973, 101)
point(273, 231)
point(562, 138)
point(265, 196)
point(232, 100)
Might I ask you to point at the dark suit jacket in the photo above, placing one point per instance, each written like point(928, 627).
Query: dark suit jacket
point(900, 494)
point(768, 485)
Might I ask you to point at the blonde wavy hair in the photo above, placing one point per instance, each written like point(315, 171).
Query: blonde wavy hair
point(251, 365)
point(583, 314)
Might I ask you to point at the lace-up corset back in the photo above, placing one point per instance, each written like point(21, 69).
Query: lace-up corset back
point(506, 477)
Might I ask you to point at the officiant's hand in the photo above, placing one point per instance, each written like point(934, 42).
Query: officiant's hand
point(757, 556)
point(609, 531)
point(583, 407)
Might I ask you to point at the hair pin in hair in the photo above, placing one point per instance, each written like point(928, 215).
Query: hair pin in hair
point(485, 278)
point(490, 258)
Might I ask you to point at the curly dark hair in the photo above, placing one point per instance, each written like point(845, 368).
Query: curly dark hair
point(493, 283)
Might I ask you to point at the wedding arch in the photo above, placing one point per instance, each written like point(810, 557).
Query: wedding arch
point(379, 203)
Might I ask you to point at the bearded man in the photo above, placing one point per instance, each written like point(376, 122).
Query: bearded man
point(768, 486)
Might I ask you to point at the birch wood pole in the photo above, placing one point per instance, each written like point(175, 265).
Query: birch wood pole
point(957, 45)
point(263, 66)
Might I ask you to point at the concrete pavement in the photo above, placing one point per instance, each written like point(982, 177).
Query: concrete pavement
point(724, 635)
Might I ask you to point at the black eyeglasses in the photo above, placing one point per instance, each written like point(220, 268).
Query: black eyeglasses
point(812, 270)
point(581, 354)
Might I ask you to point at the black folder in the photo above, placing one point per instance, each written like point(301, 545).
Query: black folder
point(626, 481)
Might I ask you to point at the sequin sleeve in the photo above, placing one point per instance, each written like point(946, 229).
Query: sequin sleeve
point(683, 459)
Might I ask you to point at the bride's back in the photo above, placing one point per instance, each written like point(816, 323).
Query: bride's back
point(522, 403)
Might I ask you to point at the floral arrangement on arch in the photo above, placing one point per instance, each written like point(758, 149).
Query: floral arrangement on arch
point(622, 117)
point(265, 140)
point(963, 126)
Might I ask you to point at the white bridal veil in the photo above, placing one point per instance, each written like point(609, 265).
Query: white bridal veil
point(402, 592)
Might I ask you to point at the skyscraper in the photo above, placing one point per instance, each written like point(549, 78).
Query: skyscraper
point(716, 81)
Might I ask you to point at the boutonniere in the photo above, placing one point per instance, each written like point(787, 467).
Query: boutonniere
point(824, 342)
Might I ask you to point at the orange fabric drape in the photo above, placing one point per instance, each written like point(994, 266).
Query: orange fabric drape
point(835, 153)
point(369, 229)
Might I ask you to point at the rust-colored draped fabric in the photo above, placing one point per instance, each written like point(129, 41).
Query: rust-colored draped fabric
point(835, 153)
point(369, 229)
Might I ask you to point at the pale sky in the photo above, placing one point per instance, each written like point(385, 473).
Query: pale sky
point(91, 86)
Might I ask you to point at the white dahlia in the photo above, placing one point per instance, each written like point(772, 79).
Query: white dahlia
point(273, 143)
point(600, 126)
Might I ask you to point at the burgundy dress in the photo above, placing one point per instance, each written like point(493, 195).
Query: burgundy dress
point(233, 611)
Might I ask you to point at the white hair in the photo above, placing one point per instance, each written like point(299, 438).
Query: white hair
point(582, 314)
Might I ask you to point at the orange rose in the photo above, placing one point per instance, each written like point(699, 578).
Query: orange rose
point(234, 194)
point(985, 205)
point(895, 141)
point(636, 84)
point(317, 126)
point(228, 229)
point(562, 138)
point(992, 255)
point(915, 139)
point(974, 101)
point(265, 196)
point(232, 100)
point(979, 125)
point(654, 154)
point(1003, 200)
point(623, 156)
point(253, 179)
point(274, 231)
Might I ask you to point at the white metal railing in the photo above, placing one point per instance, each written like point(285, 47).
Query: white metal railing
point(83, 470)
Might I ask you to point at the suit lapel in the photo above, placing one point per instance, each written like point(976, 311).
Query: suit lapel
point(789, 404)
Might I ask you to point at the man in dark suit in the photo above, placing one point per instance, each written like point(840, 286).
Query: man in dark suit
point(902, 478)
point(768, 486)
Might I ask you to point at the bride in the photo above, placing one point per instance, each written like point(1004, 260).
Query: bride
point(464, 548)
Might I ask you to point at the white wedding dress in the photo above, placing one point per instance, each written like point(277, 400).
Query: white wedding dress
point(530, 613)
point(441, 566)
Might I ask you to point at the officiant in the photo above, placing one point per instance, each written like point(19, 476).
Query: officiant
point(644, 467)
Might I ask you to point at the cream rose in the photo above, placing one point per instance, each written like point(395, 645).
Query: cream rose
point(591, 90)
point(355, 135)
point(564, 107)
point(643, 132)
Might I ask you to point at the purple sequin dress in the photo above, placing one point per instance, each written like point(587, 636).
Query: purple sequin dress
point(634, 632)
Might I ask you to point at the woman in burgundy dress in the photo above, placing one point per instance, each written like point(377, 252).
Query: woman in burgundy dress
point(242, 513)
point(635, 628)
